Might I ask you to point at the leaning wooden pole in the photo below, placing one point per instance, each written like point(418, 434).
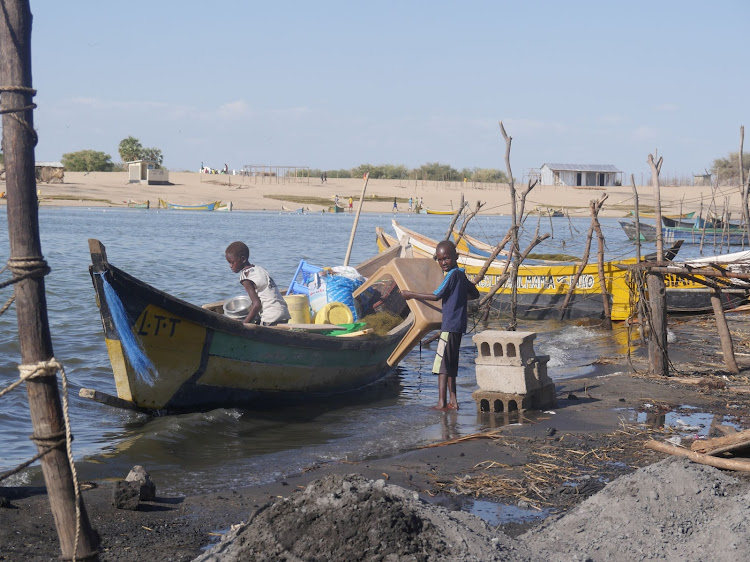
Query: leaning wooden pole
point(19, 139)
point(724, 333)
point(595, 208)
point(515, 249)
point(657, 292)
point(356, 220)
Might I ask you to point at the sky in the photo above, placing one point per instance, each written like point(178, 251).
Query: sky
point(333, 85)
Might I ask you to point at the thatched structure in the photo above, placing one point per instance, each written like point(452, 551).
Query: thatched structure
point(49, 172)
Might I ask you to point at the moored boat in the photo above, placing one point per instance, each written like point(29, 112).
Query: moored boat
point(228, 206)
point(542, 287)
point(169, 354)
point(436, 212)
point(200, 207)
point(139, 204)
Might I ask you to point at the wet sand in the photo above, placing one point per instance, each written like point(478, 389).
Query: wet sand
point(113, 189)
point(600, 413)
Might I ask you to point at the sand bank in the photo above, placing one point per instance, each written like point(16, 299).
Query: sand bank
point(271, 193)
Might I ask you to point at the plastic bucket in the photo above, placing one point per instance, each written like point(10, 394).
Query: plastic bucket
point(237, 307)
point(299, 308)
point(334, 313)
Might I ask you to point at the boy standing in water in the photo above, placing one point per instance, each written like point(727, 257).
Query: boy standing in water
point(265, 298)
point(455, 292)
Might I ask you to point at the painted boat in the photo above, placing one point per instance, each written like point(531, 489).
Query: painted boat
point(690, 235)
point(435, 212)
point(542, 287)
point(336, 209)
point(202, 207)
point(228, 206)
point(467, 244)
point(139, 204)
point(689, 215)
point(194, 358)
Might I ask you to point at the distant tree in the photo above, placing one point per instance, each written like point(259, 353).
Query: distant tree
point(152, 154)
point(130, 149)
point(489, 175)
point(727, 170)
point(437, 172)
point(87, 161)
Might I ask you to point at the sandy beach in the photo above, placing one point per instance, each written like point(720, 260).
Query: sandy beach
point(271, 193)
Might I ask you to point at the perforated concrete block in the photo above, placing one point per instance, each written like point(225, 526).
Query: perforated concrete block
point(500, 347)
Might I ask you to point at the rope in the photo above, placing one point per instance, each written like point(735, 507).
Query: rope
point(14, 111)
point(25, 268)
point(39, 370)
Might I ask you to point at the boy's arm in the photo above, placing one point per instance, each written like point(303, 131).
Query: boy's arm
point(473, 292)
point(255, 305)
point(419, 296)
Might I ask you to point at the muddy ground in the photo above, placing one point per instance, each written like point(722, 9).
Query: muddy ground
point(551, 462)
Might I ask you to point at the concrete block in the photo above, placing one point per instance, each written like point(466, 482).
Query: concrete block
point(500, 347)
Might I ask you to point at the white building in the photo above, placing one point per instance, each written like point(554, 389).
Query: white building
point(601, 175)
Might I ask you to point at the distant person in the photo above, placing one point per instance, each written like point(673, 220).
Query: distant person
point(351, 203)
point(325, 177)
point(410, 204)
point(455, 292)
point(395, 205)
point(226, 168)
point(267, 306)
point(336, 200)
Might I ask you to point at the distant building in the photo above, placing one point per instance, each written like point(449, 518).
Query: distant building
point(49, 172)
point(146, 171)
point(601, 175)
point(701, 180)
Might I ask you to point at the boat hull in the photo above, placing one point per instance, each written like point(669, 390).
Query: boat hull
point(203, 207)
point(203, 359)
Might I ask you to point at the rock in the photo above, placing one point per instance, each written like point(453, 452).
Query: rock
point(141, 476)
point(4, 502)
point(126, 495)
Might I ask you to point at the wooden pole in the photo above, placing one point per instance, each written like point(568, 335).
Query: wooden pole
point(356, 220)
point(456, 214)
point(595, 206)
point(19, 140)
point(641, 305)
point(657, 292)
point(724, 333)
point(515, 250)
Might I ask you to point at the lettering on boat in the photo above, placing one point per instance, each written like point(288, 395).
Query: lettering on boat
point(541, 282)
point(671, 280)
point(157, 325)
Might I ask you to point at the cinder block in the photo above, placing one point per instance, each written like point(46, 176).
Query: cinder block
point(500, 347)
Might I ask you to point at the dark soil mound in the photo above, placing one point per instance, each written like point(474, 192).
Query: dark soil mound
point(352, 518)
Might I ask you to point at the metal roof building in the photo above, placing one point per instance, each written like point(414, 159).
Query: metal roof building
point(593, 175)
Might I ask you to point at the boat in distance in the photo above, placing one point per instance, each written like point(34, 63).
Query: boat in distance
point(201, 207)
point(168, 354)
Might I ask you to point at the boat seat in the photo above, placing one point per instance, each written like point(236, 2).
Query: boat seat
point(421, 275)
point(307, 270)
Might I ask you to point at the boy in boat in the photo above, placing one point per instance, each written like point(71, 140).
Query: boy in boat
point(265, 299)
point(455, 292)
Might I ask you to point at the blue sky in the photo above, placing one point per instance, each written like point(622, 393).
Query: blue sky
point(337, 84)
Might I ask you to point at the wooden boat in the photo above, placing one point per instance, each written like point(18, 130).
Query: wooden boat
point(435, 212)
point(202, 207)
point(139, 204)
point(168, 354)
point(678, 216)
point(228, 206)
point(691, 235)
point(647, 231)
point(469, 245)
point(336, 209)
point(542, 287)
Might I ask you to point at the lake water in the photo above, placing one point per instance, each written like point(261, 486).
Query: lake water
point(183, 253)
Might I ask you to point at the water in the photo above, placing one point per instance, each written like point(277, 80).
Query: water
point(183, 254)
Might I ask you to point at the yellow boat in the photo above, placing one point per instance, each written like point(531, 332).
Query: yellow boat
point(434, 212)
point(542, 287)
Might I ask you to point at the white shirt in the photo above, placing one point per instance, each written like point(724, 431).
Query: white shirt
point(273, 305)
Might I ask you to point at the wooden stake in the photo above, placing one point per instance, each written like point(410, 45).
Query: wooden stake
point(356, 220)
point(657, 292)
point(600, 264)
point(724, 333)
point(19, 139)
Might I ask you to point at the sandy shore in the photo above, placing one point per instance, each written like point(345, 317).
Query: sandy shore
point(113, 189)
point(606, 418)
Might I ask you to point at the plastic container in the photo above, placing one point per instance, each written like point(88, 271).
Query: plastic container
point(237, 307)
point(299, 308)
point(334, 313)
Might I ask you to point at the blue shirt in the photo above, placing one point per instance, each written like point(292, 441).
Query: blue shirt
point(454, 292)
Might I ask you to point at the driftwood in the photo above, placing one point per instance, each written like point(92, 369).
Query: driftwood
point(718, 445)
point(726, 464)
point(467, 218)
